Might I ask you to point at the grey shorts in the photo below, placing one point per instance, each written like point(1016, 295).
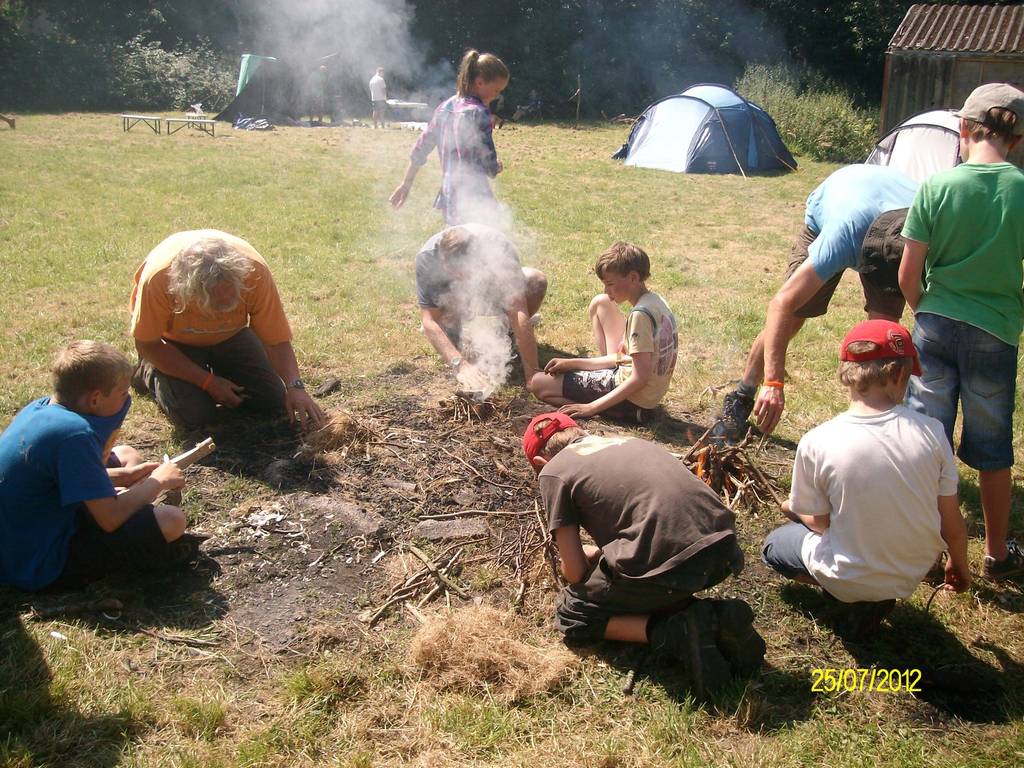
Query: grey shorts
point(584, 609)
point(588, 386)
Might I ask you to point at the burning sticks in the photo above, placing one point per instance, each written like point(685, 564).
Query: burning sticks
point(730, 472)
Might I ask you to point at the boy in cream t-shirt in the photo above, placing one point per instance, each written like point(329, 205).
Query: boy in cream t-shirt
point(637, 352)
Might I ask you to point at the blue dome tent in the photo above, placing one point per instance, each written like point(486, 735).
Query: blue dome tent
point(707, 128)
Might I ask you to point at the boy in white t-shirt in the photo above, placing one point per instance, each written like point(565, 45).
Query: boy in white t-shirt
point(874, 493)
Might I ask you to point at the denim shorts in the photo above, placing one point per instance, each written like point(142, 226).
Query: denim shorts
point(962, 364)
point(783, 550)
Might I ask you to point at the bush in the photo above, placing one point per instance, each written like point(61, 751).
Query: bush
point(59, 73)
point(814, 117)
point(148, 77)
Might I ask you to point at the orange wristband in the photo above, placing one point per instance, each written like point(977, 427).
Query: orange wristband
point(773, 384)
point(207, 380)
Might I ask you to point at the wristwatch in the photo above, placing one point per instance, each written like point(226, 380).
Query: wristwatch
point(455, 363)
point(297, 384)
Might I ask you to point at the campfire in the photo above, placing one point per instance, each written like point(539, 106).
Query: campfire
point(731, 473)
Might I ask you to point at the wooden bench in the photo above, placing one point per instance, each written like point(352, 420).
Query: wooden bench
point(191, 121)
point(130, 121)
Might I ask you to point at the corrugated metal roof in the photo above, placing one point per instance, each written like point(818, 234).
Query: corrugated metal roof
point(995, 29)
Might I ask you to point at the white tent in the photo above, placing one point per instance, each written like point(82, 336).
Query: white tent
point(921, 145)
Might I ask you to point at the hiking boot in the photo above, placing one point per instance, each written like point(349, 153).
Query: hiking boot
point(690, 637)
point(182, 551)
point(864, 618)
point(1009, 568)
point(736, 637)
point(731, 425)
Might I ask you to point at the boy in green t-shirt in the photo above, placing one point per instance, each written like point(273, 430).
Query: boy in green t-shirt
point(965, 232)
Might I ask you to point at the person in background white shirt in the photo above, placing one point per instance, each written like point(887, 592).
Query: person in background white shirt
point(379, 98)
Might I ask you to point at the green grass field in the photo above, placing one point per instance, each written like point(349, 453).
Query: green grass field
point(81, 203)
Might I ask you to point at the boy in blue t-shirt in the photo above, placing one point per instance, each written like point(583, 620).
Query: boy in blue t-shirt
point(61, 517)
point(961, 274)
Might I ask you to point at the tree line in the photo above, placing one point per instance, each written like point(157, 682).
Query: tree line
point(113, 54)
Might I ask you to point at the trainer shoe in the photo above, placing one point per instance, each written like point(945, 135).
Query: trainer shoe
point(736, 637)
point(731, 425)
point(1009, 568)
point(690, 637)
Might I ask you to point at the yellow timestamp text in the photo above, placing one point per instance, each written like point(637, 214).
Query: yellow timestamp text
point(849, 680)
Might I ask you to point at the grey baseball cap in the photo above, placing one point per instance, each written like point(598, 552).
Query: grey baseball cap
point(991, 96)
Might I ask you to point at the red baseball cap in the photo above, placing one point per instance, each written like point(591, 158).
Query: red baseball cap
point(536, 437)
point(891, 341)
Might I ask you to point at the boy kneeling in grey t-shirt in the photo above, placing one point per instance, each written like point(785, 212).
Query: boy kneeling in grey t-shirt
point(661, 534)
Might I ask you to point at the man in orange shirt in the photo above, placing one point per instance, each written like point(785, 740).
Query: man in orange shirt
point(210, 330)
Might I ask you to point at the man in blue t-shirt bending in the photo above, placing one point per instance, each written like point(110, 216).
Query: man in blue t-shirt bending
point(852, 221)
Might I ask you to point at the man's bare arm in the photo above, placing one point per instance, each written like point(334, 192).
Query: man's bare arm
point(794, 293)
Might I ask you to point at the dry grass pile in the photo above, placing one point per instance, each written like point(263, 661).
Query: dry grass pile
point(479, 649)
point(339, 435)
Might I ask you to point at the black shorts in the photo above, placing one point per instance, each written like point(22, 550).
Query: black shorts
point(881, 290)
point(138, 545)
point(584, 609)
point(588, 386)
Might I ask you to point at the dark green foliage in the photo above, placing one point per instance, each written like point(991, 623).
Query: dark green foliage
point(815, 116)
point(77, 54)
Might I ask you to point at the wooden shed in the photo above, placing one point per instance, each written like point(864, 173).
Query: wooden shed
point(940, 53)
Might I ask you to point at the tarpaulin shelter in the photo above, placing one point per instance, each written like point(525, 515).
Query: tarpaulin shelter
point(921, 145)
point(266, 87)
point(708, 128)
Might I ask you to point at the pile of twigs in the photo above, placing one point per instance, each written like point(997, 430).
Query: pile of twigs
point(435, 578)
point(342, 432)
point(465, 407)
point(518, 547)
point(731, 473)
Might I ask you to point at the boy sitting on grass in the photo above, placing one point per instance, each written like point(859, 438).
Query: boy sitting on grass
point(874, 493)
point(662, 535)
point(637, 353)
point(61, 517)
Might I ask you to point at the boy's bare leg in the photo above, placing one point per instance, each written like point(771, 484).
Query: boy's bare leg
point(608, 324)
point(628, 628)
point(996, 491)
point(127, 456)
point(547, 388)
point(171, 521)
